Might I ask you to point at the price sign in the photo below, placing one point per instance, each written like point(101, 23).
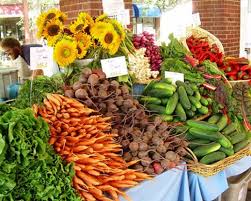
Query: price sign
point(114, 67)
point(196, 19)
point(111, 6)
point(174, 76)
point(40, 57)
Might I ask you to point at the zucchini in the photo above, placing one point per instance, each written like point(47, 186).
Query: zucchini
point(225, 142)
point(240, 145)
point(202, 125)
point(165, 117)
point(222, 123)
point(213, 157)
point(203, 110)
point(204, 134)
point(180, 112)
point(204, 101)
point(150, 100)
point(229, 129)
point(237, 137)
point(172, 103)
point(197, 95)
point(160, 93)
point(227, 151)
point(206, 149)
point(184, 100)
point(195, 102)
point(164, 101)
point(190, 113)
point(162, 85)
point(197, 142)
point(214, 119)
point(156, 108)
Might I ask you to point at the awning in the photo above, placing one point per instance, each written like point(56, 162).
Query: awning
point(11, 10)
point(144, 10)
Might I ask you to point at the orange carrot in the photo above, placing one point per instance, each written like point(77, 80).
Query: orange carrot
point(87, 177)
point(88, 196)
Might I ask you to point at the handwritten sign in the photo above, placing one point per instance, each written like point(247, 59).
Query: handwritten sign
point(196, 19)
point(40, 57)
point(174, 76)
point(114, 67)
point(111, 6)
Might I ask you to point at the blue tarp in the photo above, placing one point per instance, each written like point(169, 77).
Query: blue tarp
point(144, 10)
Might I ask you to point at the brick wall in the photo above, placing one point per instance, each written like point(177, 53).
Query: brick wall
point(221, 18)
point(93, 7)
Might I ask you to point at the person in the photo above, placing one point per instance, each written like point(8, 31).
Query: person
point(12, 48)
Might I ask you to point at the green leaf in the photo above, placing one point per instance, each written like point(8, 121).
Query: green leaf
point(2, 144)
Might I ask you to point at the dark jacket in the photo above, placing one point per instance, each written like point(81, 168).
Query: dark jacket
point(25, 51)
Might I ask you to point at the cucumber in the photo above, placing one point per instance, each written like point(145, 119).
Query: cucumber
point(190, 137)
point(195, 102)
point(194, 87)
point(184, 100)
point(162, 85)
point(180, 112)
point(229, 129)
point(164, 101)
point(237, 137)
point(189, 90)
point(222, 123)
point(167, 80)
point(240, 145)
point(172, 103)
point(213, 157)
point(180, 83)
point(193, 108)
point(227, 151)
point(202, 125)
point(156, 108)
point(150, 100)
point(197, 95)
point(190, 113)
point(165, 117)
point(206, 149)
point(225, 142)
point(203, 110)
point(214, 119)
point(204, 134)
point(149, 87)
point(160, 93)
point(204, 101)
point(197, 142)
point(181, 129)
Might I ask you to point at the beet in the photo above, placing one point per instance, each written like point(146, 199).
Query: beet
point(87, 72)
point(143, 146)
point(82, 79)
point(156, 156)
point(81, 94)
point(115, 84)
point(124, 89)
point(150, 128)
point(69, 93)
point(127, 156)
point(93, 79)
point(146, 161)
point(161, 149)
point(99, 73)
point(138, 167)
point(170, 155)
point(149, 170)
point(142, 154)
point(102, 93)
point(134, 146)
point(157, 141)
point(165, 163)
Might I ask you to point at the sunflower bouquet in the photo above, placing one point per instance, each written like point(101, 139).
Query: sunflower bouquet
point(85, 37)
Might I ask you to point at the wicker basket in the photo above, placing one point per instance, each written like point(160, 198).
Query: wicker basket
point(202, 33)
point(209, 170)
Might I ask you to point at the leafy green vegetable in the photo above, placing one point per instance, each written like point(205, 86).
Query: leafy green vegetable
point(29, 168)
point(212, 68)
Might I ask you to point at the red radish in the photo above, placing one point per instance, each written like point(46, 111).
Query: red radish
point(157, 168)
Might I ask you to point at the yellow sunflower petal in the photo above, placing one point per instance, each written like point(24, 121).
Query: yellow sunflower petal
point(101, 18)
point(65, 52)
point(53, 28)
point(78, 25)
point(53, 40)
point(119, 28)
point(82, 51)
point(99, 28)
point(85, 17)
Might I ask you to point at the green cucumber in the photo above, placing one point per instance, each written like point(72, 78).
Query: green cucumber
point(149, 87)
point(204, 101)
point(227, 151)
point(162, 85)
point(195, 102)
point(193, 108)
point(172, 103)
point(194, 87)
point(150, 100)
point(225, 142)
point(181, 129)
point(190, 113)
point(203, 110)
point(164, 101)
point(202, 125)
point(204, 134)
point(222, 123)
point(240, 145)
point(156, 108)
point(189, 137)
point(184, 100)
point(180, 112)
point(237, 137)
point(160, 93)
point(167, 80)
point(165, 117)
point(214, 119)
point(229, 129)
point(189, 90)
point(213, 157)
point(203, 150)
point(197, 95)
point(197, 142)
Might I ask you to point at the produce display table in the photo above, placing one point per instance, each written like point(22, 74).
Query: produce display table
point(180, 185)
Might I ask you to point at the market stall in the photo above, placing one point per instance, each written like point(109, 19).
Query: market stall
point(125, 118)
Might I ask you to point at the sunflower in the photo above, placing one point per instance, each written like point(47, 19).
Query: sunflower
point(40, 24)
point(85, 17)
point(119, 28)
point(52, 29)
point(78, 25)
point(99, 28)
point(101, 18)
point(53, 40)
point(81, 50)
point(85, 39)
point(65, 51)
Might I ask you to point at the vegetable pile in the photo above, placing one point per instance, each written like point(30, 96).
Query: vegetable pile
point(147, 41)
point(175, 102)
point(82, 137)
point(142, 138)
point(29, 168)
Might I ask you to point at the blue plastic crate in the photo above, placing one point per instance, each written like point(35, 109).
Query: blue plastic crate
point(137, 89)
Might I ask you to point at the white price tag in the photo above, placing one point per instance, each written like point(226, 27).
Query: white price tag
point(114, 67)
point(111, 6)
point(174, 76)
point(196, 19)
point(40, 57)
point(123, 16)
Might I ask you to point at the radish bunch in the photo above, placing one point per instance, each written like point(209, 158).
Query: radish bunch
point(146, 40)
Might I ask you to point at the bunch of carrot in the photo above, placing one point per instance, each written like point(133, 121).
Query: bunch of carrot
point(83, 138)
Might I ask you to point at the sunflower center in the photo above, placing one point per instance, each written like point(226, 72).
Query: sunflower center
point(50, 16)
point(66, 52)
point(53, 30)
point(79, 27)
point(109, 38)
point(79, 50)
